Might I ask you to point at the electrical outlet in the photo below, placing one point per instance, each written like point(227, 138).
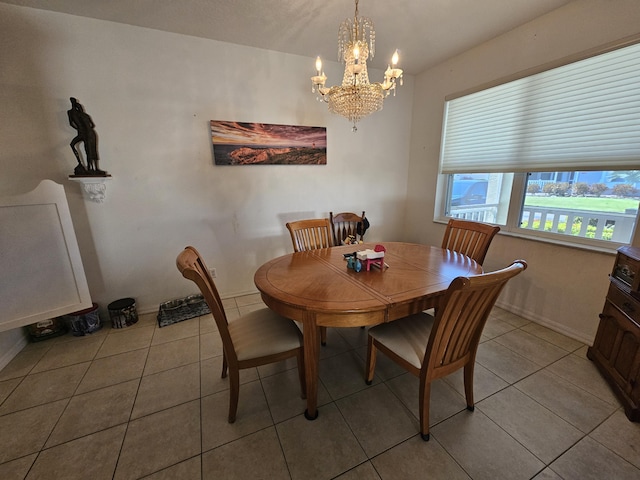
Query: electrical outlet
point(213, 272)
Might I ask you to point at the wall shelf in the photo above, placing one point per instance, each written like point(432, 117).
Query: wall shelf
point(93, 187)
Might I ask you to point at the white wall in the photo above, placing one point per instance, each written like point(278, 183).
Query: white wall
point(563, 288)
point(151, 95)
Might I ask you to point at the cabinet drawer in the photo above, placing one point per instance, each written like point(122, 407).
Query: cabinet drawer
point(627, 304)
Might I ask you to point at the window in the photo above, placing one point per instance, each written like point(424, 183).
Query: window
point(555, 154)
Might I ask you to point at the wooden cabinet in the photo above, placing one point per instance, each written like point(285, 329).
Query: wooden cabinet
point(616, 348)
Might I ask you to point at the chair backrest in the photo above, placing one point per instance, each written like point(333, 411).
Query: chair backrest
point(310, 234)
point(345, 224)
point(459, 321)
point(469, 238)
point(193, 268)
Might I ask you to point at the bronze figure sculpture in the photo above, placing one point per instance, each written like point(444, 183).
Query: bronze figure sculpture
point(83, 123)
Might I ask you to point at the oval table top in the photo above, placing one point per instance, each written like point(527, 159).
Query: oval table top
point(319, 282)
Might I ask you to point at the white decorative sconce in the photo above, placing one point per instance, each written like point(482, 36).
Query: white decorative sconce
point(94, 188)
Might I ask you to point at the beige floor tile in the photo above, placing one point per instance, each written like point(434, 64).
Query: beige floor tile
point(94, 411)
point(342, 374)
point(232, 313)
point(211, 380)
point(7, 387)
point(252, 415)
point(23, 362)
point(356, 337)
point(444, 401)
point(172, 355)
point(92, 457)
point(562, 341)
point(17, 469)
point(512, 318)
point(364, 471)
point(256, 456)
point(485, 382)
point(542, 432)
point(583, 373)
point(125, 341)
point(210, 345)
point(471, 439)
point(62, 354)
point(245, 309)
point(588, 460)
point(188, 470)
point(176, 331)
point(386, 369)
point(411, 460)
point(578, 407)
point(207, 324)
point(503, 362)
point(336, 344)
point(283, 395)
point(251, 299)
point(167, 389)
point(532, 347)
point(107, 371)
point(229, 303)
point(496, 327)
point(377, 418)
point(41, 388)
point(269, 369)
point(547, 474)
point(621, 436)
point(319, 449)
point(25, 432)
point(160, 440)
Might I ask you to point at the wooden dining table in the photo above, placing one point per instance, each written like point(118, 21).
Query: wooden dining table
point(317, 289)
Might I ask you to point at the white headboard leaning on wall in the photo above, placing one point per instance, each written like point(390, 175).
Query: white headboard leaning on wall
point(41, 272)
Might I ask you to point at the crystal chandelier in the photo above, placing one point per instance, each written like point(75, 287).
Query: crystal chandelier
point(356, 97)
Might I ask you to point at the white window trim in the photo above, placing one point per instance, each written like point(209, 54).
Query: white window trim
point(512, 226)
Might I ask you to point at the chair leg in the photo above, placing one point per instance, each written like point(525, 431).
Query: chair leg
point(224, 365)
point(424, 400)
point(370, 367)
point(301, 375)
point(234, 393)
point(468, 385)
point(323, 335)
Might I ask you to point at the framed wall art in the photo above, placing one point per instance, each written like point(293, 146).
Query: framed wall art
point(238, 143)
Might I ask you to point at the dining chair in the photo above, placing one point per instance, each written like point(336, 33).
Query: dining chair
point(469, 238)
point(257, 338)
point(310, 234)
point(345, 224)
point(432, 348)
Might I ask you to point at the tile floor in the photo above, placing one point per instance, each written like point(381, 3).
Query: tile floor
point(149, 402)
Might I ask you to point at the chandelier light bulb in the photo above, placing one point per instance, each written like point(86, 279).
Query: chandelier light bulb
point(395, 58)
point(318, 65)
point(356, 53)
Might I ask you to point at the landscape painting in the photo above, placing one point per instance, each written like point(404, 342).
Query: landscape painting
point(237, 143)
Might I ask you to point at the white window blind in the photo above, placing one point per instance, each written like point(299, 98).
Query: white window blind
point(581, 116)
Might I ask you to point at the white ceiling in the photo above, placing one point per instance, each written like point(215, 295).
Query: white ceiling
point(425, 32)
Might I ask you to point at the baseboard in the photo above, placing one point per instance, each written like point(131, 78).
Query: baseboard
point(13, 350)
point(545, 322)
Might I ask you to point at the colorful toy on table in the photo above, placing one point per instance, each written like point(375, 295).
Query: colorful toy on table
point(372, 257)
point(353, 262)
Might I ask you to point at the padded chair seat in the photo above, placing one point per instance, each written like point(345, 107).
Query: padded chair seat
point(407, 337)
point(262, 333)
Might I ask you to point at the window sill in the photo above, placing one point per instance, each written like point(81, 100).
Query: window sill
point(608, 249)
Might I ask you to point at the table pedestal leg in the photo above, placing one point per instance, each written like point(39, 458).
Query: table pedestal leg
point(311, 359)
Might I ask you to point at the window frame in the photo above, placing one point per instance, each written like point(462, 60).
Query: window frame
point(519, 182)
